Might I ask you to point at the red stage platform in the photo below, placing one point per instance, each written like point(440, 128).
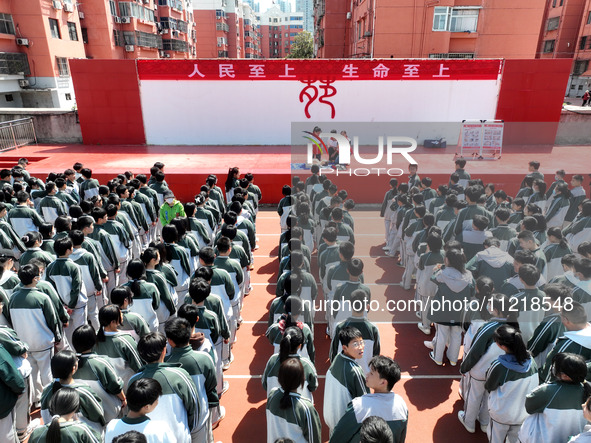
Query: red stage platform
point(187, 166)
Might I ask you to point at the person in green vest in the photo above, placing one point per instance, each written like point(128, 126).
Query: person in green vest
point(171, 208)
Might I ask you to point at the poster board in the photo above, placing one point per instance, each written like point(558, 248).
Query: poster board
point(482, 139)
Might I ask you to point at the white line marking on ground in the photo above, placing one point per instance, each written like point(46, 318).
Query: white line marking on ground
point(404, 376)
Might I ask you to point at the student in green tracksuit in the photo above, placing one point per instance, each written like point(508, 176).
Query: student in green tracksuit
point(555, 248)
point(12, 384)
point(345, 379)
point(134, 324)
point(199, 230)
point(492, 262)
point(558, 206)
point(290, 345)
point(384, 374)
point(502, 231)
point(555, 407)
point(33, 240)
point(201, 368)
point(64, 365)
point(178, 405)
point(146, 297)
point(168, 296)
point(369, 331)
point(578, 195)
point(118, 346)
point(98, 373)
point(89, 187)
point(233, 268)
point(22, 217)
point(464, 221)
point(106, 248)
point(528, 302)
point(64, 406)
point(289, 415)
point(50, 207)
point(509, 379)
point(580, 230)
point(343, 293)
point(179, 259)
point(551, 327)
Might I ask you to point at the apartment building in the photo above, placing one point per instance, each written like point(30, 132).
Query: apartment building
point(431, 29)
point(278, 30)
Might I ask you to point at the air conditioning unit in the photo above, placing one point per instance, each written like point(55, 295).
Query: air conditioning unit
point(68, 7)
point(129, 48)
point(57, 4)
point(23, 83)
point(117, 19)
point(81, 15)
point(125, 19)
point(348, 16)
point(22, 41)
point(161, 53)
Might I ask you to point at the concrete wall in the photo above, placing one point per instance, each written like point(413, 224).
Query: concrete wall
point(51, 126)
point(573, 128)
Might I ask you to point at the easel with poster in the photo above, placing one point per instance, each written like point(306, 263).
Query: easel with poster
point(481, 139)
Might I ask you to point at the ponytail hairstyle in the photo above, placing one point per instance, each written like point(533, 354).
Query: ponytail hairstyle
point(120, 294)
point(30, 238)
point(63, 402)
point(62, 366)
point(512, 339)
point(170, 234)
point(541, 222)
point(292, 339)
point(83, 340)
point(230, 179)
point(181, 225)
point(149, 254)
point(161, 247)
point(107, 315)
point(292, 287)
point(573, 366)
point(484, 289)
point(501, 304)
point(293, 308)
point(456, 259)
point(556, 232)
point(291, 377)
point(136, 271)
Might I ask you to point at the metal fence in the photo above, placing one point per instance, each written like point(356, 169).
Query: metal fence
point(16, 133)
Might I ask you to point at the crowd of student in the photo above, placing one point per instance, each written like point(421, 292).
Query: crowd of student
point(119, 305)
point(521, 269)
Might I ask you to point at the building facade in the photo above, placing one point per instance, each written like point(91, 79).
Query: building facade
point(431, 29)
point(278, 31)
point(307, 8)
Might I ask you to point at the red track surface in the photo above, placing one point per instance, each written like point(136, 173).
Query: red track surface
point(431, 392)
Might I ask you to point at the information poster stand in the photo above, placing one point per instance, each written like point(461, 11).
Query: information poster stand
point(481, 139)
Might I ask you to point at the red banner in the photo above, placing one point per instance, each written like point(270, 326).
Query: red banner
point(319, 70)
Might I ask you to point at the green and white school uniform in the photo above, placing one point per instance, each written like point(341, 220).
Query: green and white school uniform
point(24, 219)
point(201, 369)
point(179, 400)
point(200, 231)
point(168, 300)
point(464, 221)
point(483, 351)
point(179, 259)
point(578, 232)
point(271, 374)
point(508, 382)
point(209, 324)
point(91, 409)
point(284, 209)
point(275, 334)
point(576, 342)
point(425, 287)
point(121, 350)
point(146, 303)
point(89, 188)
point(299, 422)
point(555, 413)
point(554, 253)
point(38, 254)
point(234, 270)
point(9, 282)
point(504, 233)
point(558, 207)
point(445, 215)
point(156, 431)
point(390, 406)
point(493, 263)
point(529, 304)
point(514, 285)
point(134, 324)
point(50, 208)
point(12, 385)
point(71, 432)
point(100, 375)
point(10, 243)
point(345, 380)
point(342, 294)
point(371, 340)
point(544, 337)
point(578, 194)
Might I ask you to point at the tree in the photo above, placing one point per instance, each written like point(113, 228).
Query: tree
point(303, 46)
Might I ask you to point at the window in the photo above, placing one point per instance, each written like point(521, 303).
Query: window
point(55, 28)
point(12, 63)
point(84, 35)
point(589, 18)
point(72, 31)
point(117, 38)
point(467, 55)
point(128, 38)
point(129, 9)
point(580, 67)
point(148, 40)
point(552, 23)
point(68, 96)
point(549, 46)
point(62, 66)
point(583, 42)
point(553, 3)
point(113, 8)
point(176, 45)
point(6, 25)
point(455, 19)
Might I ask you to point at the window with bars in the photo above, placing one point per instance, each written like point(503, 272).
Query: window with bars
point(583, 42)
point(84, 35)
point(13, 63)
point(455, 19)
point(113, 8)
point(549, 46)
point(177, 45)
point(6, 24)
point(62, 66)
point(118, 38)
point(222, 27)
point(54, 27)
point(148, 40)
point(129, 37)
point(580, 67)
point(129, 9)
point(552, 23)
point(460, 55)
point(72, 31)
